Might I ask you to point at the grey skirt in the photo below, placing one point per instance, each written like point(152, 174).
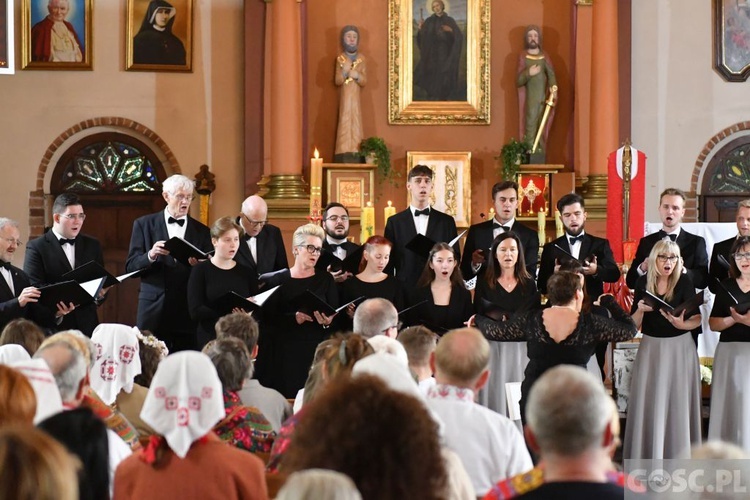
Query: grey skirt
point(664, 408)
point(507, 363)
point(730, 394)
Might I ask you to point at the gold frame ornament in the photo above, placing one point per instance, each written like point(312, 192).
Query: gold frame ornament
point(402, 108)
point(451, 183)
point(79, 15)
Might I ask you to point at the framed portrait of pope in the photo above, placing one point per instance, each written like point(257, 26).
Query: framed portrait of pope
point(56, 34)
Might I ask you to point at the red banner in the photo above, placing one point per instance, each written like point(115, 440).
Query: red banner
point(625, 250)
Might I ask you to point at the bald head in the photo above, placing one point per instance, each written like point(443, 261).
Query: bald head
point(254, 211)
point(68, 366)
point(376, 317)
point(461, 358)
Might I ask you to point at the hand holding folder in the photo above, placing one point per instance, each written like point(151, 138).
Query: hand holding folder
point(690, 307)
point(233, 300)
point(70, 292)
point(183, 250)
point(310, 303)
point(93, 270)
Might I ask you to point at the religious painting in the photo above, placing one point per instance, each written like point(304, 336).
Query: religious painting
point(7, 49)
point(350, 184)
point(56, 34)
point(439, 62)
point(732, 39)
point(533, 194)
point(451, 183)
point(159, 35)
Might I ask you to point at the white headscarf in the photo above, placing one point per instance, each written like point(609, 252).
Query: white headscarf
point(184, 401)
point(11, 353)
point(48, 400)
point(117, 360)
point(391, 370)
point(383, 343)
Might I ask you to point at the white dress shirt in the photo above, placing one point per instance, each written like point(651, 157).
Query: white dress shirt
point(8, 278)
point(340, 252)
point(175, 229)
point(252, 244)
point(575, 249)
point(420, 222)
point(70, 250)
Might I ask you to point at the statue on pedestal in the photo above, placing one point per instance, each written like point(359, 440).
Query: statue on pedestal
point(537, 93)
point(351, 75)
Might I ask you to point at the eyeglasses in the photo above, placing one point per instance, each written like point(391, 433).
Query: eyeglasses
point(397, 326)
point(667, 258)
point(74, 216)
point(183, 197)
point(337, 218)
point(255, 223)
point(311, 248)
point(739, 256)
point(10, 241)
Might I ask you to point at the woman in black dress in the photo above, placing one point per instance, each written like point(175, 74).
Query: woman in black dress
point(371, 281)
point(441, 298)
point(291, 328)
point(559, 334)
point(505, 288)
point(210, 280)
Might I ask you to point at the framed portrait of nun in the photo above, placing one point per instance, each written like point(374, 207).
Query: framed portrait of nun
point(159, 35)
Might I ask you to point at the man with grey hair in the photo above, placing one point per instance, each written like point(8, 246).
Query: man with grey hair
point(569, 423)
point(263, 249)
point(376, 317)
point(18, 299)
point(489, 444)
point(162, 300)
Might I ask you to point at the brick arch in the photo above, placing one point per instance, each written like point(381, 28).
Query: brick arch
point(36, 197)
point(700, 163)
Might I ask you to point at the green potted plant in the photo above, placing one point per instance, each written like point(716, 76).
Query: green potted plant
point(513, 154)
point(375, 148)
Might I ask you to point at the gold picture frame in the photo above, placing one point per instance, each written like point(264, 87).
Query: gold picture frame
point(405, 104)
point(351, 184)
point(168, 49)
point(37, 51)
point(451, 191)
point(7, 47)
point(731, 59)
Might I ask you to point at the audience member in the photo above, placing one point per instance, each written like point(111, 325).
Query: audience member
point(489, 444)
point(395, 455)
point(12, 353)
point(243, 426)
point(718, 450)
point(313, 484)
point(188, 460)
point(48, 401)
point(151, 351)
point(572, 434)
point(35, 466)
point(17, 398)
point(419, 342)
point(23, 332)
point(270, 402)
point(85, 436)
point(391, 346)
point(376, 317)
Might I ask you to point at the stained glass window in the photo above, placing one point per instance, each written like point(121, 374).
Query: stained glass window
point(109, 167)
point(732, 174)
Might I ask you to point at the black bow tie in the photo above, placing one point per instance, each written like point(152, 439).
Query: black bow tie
point(426, 212)
point(663, 233)
point(248, 237)
point(336, 246)
point(71, 241)
point(179, 222)
point(573, 239)
point(4, 264)
point(504, 228)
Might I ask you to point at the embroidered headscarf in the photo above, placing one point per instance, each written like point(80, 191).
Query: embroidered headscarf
point(11, 353)
point(117, 360)
point(48, 400)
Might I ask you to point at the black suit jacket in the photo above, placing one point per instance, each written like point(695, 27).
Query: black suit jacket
point(716, 269)
point(480, 236)
point(405, 264)
point(10, 309)
point(607, 270)
point(165, 279)
point(269, 248)
point(692, 250)
point(46, 263)
point(348, 246)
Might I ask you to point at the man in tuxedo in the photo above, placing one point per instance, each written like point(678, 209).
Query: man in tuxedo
point(62, 249)
point(418, 218)
point(18, 299)
point(162, 300)
point(594, 253)
point(336, 227)
point(718, 270)
point(692, 247)
point(263, 249)
point(480, 236)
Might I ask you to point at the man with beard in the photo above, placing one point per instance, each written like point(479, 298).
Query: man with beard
point(440, 42)
point(718, 270)
point(336, 227)
point(351, 74)
point(480, 236)
point(263, 247)
point(594, 253)
point(535, 76)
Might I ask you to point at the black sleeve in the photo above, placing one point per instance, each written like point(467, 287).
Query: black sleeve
point(606, 267)
point(511, 330)
point(699, 272)
point(619, 327)
point(196, 295)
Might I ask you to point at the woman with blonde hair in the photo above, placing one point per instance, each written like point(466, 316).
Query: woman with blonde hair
point(293, 322)
point(664, 406)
